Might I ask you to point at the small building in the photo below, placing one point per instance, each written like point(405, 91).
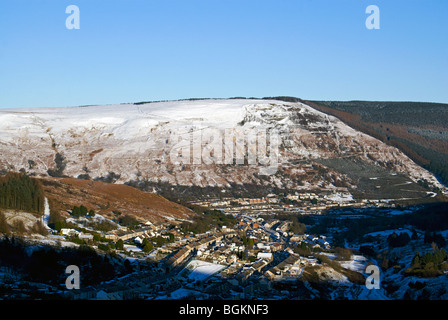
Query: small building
point(85, 236)
point(111, 236)
point(264, 255)
point(70, 232)
point(276, 247)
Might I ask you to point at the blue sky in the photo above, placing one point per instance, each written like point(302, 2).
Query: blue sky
point(140, 50)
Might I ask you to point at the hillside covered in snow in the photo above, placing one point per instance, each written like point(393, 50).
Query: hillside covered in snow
point(184, 143)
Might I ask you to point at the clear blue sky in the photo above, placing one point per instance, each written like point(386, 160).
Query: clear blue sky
point(140, 50)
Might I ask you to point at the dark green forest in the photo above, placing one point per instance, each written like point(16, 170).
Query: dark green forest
point(430, 218)
point(208, 219)
point(407, 113)
point(21, 192)
point(415, 116)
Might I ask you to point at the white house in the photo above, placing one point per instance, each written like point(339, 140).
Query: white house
point(264, 255)
point(263, 246)
point(86, 236)
point(70, 232)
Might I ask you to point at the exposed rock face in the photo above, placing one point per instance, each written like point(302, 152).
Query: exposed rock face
point(120, 143)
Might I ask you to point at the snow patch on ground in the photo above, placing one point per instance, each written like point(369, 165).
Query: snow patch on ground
point(201, 270)
point(331, 275)
point(132, 248)
point(398, 212)
point(387, 233)
point(357, 263)
point(339, 197)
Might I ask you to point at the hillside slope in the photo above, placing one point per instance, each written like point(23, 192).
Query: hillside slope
point(420, 130)
point(135, 143)
point(106, 198)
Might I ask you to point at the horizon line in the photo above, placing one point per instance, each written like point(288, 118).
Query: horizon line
point(284, 98)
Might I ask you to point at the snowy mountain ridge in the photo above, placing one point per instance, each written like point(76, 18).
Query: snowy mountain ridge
point(135, 141)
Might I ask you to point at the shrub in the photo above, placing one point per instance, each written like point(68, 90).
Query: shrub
point(428, 265)
point(119, 245)
point(398, 240)
point(39, 228)
point(103, 247)
point(4, 227)
point(343, 254)
point(19, 226)
point(128, 221)
point(367, 250)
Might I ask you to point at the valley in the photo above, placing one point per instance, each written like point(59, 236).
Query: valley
point(175, 200)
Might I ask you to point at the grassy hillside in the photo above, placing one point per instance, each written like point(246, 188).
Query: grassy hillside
point(418, 129)
point(110, 199)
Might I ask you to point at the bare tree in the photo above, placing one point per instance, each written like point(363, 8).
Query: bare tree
point(19, 226)
point(39, 228)
point(4, 227)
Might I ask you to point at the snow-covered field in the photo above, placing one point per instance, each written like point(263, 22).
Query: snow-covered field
point(387, 233)
point(132, 248)
point(50, 240)
point(398, 212)
point(329, 274)
point(356, 263)
point(338, 197)
point(201, 270)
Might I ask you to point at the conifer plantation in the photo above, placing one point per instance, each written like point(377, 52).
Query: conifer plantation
point(20, 192)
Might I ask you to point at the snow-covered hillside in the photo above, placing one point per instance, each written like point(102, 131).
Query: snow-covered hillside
point(137, 142)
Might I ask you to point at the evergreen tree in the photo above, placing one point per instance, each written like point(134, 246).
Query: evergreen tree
point(148, 247)
point(127, 266)
point(427, 258)
point(416, 261)
point(119, 245)
point(56, 221)
point(76, 212)
point(440, 256)
point(83, 210)
point(19, 191)
point(171, 237)
point(245, 240)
